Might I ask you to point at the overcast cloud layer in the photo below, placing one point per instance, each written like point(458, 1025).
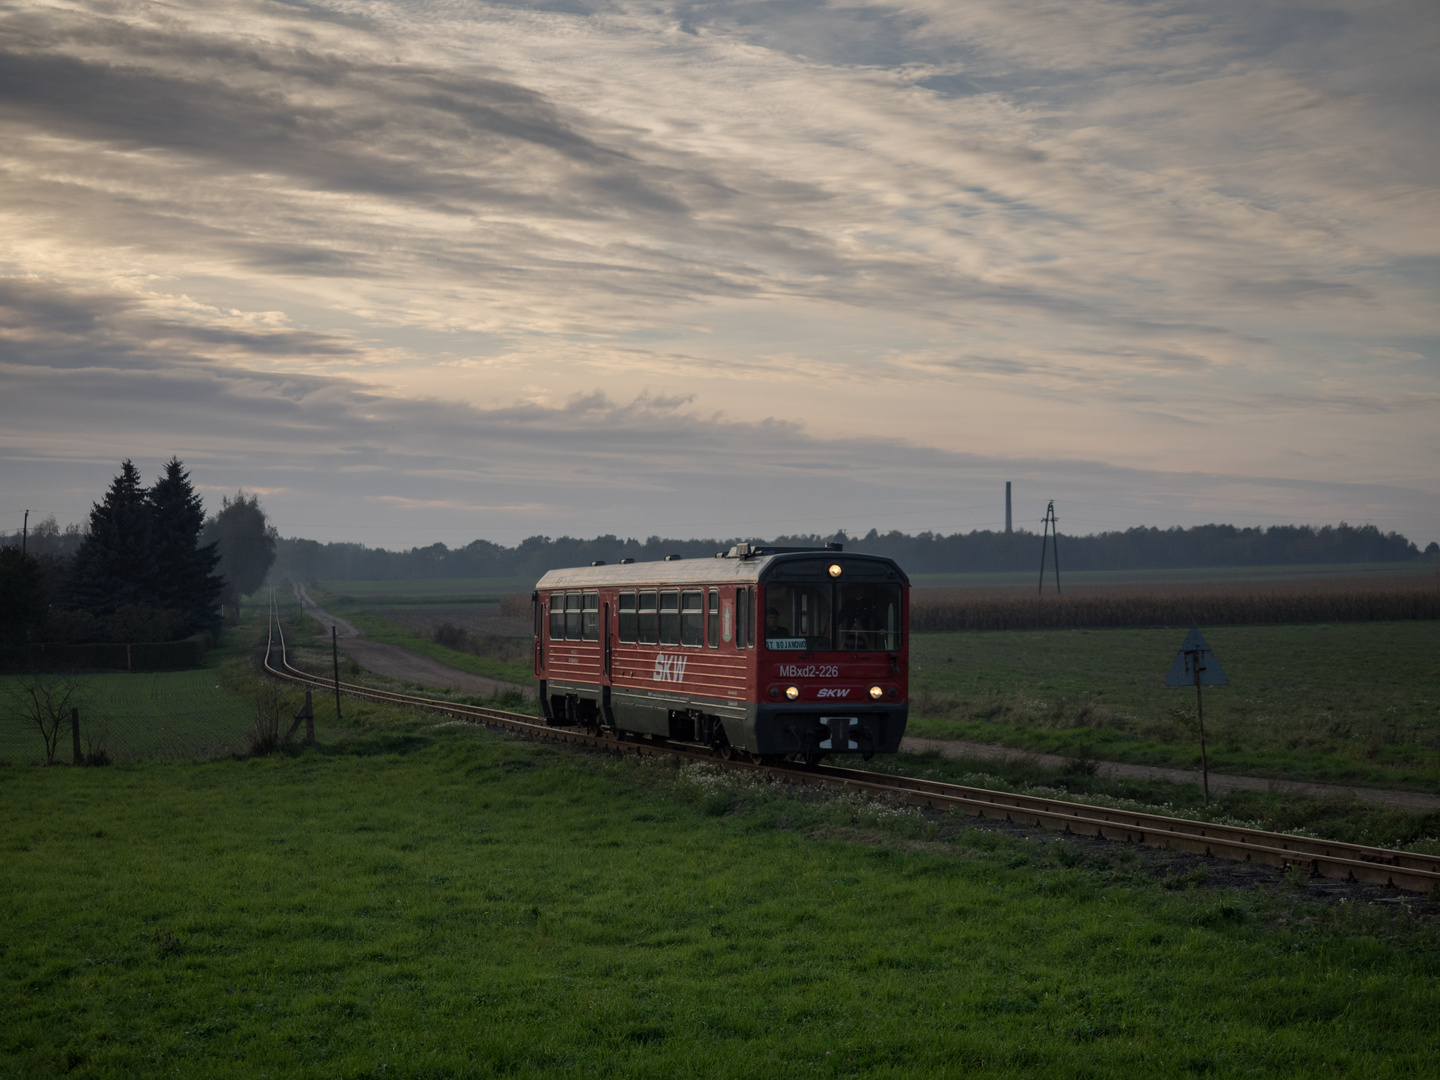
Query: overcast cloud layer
point(421, 271)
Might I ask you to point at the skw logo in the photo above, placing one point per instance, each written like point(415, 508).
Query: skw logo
point(670, 668)
point(833, 692)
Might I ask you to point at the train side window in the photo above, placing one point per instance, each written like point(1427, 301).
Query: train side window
point(627, 620)
point(692, 617)
point(750, 620)
point(741, 608)
point(590, 616)
point(648, 622)
point(713, 623)
point(572, 616)
point(557, 616)
point(670, 617)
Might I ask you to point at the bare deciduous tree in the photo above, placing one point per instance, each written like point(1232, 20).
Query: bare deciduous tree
point(43, 700)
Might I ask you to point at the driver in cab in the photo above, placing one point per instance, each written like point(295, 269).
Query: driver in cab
point(773, 629)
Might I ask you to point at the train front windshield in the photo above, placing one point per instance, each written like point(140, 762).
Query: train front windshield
point(828, 618)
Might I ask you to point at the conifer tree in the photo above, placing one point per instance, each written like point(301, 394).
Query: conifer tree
point(22, 595)
point(116, 564)
point(186, 580)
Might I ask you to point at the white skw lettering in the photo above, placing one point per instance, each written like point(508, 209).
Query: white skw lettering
point(830, 691)
point(670, 668)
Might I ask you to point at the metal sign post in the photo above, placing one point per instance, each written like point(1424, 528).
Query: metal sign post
point(1196, 665)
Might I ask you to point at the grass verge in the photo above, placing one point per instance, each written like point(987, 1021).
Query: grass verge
point(1336, 818)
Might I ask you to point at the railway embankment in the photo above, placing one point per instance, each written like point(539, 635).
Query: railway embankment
point(1220, 783)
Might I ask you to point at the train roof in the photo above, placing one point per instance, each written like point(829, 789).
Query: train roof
point(729, 568)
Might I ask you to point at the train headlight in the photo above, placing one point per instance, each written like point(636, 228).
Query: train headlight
point(834, 569)
point(877, 692)
point(792, 692)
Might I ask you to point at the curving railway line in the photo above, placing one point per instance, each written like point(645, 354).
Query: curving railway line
point(1324, 858)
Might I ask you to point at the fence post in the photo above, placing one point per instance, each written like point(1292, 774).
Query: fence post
point(335, 655)
point(75, 734)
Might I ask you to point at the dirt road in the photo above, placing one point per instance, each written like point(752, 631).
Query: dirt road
point(397, 663)
point(1219, 782)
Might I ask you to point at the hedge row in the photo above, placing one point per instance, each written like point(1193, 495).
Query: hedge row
point(105, 656)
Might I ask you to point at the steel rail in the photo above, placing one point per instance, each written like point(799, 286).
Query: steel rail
point(1324, 858)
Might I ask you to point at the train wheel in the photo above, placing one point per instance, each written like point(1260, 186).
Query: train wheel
point(813, 757)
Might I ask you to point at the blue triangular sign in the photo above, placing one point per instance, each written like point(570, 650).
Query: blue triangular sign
point(1196, 653)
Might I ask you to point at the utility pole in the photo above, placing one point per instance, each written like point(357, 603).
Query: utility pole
point(1051, 534)
point(1007, 507)
point(25, 533)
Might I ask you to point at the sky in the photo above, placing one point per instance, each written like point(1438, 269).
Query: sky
point(439, 271)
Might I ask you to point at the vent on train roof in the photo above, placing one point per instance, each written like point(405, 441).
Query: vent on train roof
point(672, 558)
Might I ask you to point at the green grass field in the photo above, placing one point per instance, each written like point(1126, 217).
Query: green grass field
point(440, 901)
point(1355, 702)
point(167, 715)
point(459, 589)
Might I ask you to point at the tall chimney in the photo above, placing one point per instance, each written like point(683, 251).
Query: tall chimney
point(1007, 507)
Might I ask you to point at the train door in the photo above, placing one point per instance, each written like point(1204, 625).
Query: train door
point(608, 642)
point(607, 660)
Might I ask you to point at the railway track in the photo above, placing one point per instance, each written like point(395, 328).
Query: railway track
point(1322, 858)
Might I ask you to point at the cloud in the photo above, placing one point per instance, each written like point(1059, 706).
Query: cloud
point(687, 247)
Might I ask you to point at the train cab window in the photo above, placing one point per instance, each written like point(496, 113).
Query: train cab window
point(670, 617)
point(648, 622)
point(626, 617)
point(798, 617)
point(712, 628)
point(572, 616)
point(867, 617)
point(590, 616)
point(692, 617)
point(557, 616)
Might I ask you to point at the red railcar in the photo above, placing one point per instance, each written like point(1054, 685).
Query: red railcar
point(768, 651)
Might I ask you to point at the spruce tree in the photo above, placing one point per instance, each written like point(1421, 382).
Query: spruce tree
point(116, 565)
point(186, 580)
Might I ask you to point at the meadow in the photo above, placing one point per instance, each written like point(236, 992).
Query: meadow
point(163, 715)
point(426, 900)
point(1344, 702)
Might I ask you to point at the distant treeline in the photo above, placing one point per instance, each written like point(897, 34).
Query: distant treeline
point(925, 553)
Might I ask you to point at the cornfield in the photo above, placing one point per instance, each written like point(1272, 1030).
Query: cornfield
point(1210, 604)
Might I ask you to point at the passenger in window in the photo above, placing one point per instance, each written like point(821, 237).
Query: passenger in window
point(773, 629)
